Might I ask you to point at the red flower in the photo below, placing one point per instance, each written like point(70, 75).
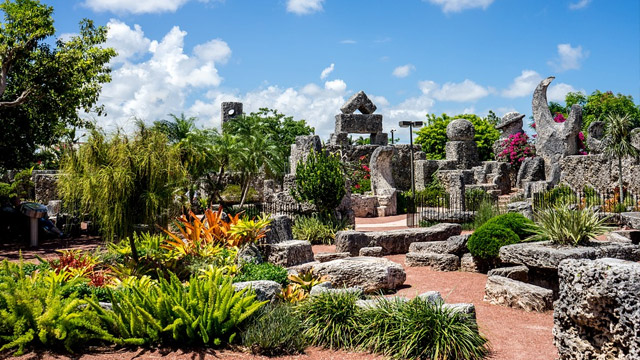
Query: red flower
point(357, 186)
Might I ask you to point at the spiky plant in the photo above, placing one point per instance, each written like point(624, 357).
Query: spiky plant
point(566, 226)
point(617, 142)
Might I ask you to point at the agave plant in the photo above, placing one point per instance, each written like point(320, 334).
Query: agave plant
point(566, 226)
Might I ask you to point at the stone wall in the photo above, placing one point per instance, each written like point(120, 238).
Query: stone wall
point(45, 185)
point(599, 172)
point(597, 315)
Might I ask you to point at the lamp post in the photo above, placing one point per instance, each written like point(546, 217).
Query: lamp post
point(411, 125)
point(392, 131)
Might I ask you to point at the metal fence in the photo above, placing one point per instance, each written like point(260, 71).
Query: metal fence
point(274, 208)
point(607, 201)
point(424, 210)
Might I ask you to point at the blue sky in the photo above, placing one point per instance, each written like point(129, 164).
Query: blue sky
point(306, 57)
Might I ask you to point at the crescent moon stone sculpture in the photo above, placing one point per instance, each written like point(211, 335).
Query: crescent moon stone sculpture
point(555, 140)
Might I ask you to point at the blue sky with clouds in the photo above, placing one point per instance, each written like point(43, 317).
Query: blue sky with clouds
point(306, 57)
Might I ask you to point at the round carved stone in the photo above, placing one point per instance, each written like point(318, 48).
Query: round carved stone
point(460, 130)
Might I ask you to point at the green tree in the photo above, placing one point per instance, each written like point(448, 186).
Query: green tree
point(433, 137)
point(598, 106)
point(320, 181)
point(617, 142)
point(42, 86)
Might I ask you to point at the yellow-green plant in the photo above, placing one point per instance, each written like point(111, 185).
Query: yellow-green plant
point(307, 279)
point(292, 293)
point(249, 231)
point(566, 226)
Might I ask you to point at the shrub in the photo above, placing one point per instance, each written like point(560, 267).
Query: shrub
point(314, 230)
point(264, 271)
point(207, 311)
point(274, 330)
point(420, 329)
point(487, 240)
point(329, 320)
point(486, 211)
point(566, 226)
point(320, 181)
point(515, 222)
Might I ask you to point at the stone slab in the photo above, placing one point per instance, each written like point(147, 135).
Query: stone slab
point(503, 291)
point(289, 253)
point(454, 245)
point(374, 251)
point(520, 272)
point(358, 123)
point(359, 101)
point(328, 256)
point(441, 262)
point(264, 289)
point(369, 273)
point(547, 256)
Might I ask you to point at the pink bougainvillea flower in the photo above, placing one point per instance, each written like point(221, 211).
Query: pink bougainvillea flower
point(581, 136)
point(559, 118)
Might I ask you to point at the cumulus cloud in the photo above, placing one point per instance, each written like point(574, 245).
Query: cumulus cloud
point(526, 83)
point(569, 58)
point(135, 7)
point(327, 71)
point(460, 5)
point(337, 86)
point(403, 71)
point(450, 91)
point(161, 84)
point(557, 92)
point(304, 7)
point(579, 5)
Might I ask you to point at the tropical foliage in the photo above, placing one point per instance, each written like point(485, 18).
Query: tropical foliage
point(567, 226)
point(320, 181)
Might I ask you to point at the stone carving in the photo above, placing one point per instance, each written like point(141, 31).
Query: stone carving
point(382, 183)
point(597, 315)
point(364, 123)
point(301, 149)
point(288, 253)
point(279, 230)
point(229, 111)
point(358, 123)
point(594, 139)
point(461, 148)
point(45, 183)
point(555, 140)
point(531, 169)
point(359, 101)
point(599, 172)
point(510, 124)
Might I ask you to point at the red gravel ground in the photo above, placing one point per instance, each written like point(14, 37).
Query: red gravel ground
point(513, 334)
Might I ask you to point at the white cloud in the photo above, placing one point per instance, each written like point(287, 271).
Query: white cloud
point(348, 41)
point(136, 7)
point(304, 7)
point(337, 86)
point(569, 58)
point(459, 5)
point(523, 85)
point(450, 91)
point(403, 71)
point(557, 92)
point(327, 71)
point(581, 4)
point(161, 83)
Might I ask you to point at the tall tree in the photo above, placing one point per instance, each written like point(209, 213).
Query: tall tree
point(43, 86)
point(617, 142)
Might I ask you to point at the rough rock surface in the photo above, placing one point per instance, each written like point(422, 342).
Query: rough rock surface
point(599, 172)
point(469, 263)
point(454, 245)
point(463, 153)
point(522, 207)
point(393, 241)
point(301, 149)
point(503, 291)
point(597, 315)
point(289, 253)
point(279, 230)
point(364, 205)
point(369, 273)
point(401, 166)
point(374, 251)
point(328, 256)
point(547, 256)
point(554, 140)
point(460, 130)
point(381, 176)
point(317, 290)
point(520, 272)
point(264, 289)
point(594, 139)
point(359, 101)
point(531, 169)
point(358, 124)
point(631, 219)
point(441, 262)
point(45, 185)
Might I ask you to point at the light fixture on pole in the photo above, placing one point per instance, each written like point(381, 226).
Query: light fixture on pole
point(392, 131)
point(411, 125)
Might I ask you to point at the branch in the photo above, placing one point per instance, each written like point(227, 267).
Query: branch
point(17, 102)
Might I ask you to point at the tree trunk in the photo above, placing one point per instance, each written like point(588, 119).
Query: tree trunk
point(245, 190)
point(620, 180)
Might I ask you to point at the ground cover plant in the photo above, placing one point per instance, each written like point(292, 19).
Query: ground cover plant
point(318, 229)
point(274, 330)
point(264, 271)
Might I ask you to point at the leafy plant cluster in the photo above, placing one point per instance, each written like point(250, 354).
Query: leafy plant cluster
point(499, 231)
point(317, 229)
point(359, 176)
point(320, 181)
point(515, 149)
point(21, 186)
point(264, 271)
point(565, 225)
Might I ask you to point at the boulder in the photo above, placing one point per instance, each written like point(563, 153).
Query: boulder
point(279, 230)
point(597, 315)
point(289, 253)
point(522, 207)
point(264, 289)
point(328, 256)
point(503, 291)
point(520, 272)
point(631, 219)
point(441, 262)
point(393, 241)
point(464, 308)
point(359, 101)
point(531, 169)
point(369, 273)
point(374, 251)
point(454, 245)
point(547, 256)
point(460, 130)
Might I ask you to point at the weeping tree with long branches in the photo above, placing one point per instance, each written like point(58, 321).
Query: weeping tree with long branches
point(617, 142)
point(121, 181)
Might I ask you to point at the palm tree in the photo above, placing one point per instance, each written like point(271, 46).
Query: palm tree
point(176, 129)
point(617, 142)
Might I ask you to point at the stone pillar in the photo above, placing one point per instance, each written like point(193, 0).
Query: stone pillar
point(382, 183)
point(301, 149)
point(229, 110)
point(457, 190)
point(461, 147)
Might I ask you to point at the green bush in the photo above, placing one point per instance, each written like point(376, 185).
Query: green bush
point(487, 240)
point(314, 230)
point(515, 222)
point(274, 330)
point(264, 271)
point(566, 226)
point(329, 320)
point(320, 181)
point(486, 211)
point(419, 329)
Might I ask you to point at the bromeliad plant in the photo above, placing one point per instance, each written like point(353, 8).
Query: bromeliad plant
point(566, 226)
